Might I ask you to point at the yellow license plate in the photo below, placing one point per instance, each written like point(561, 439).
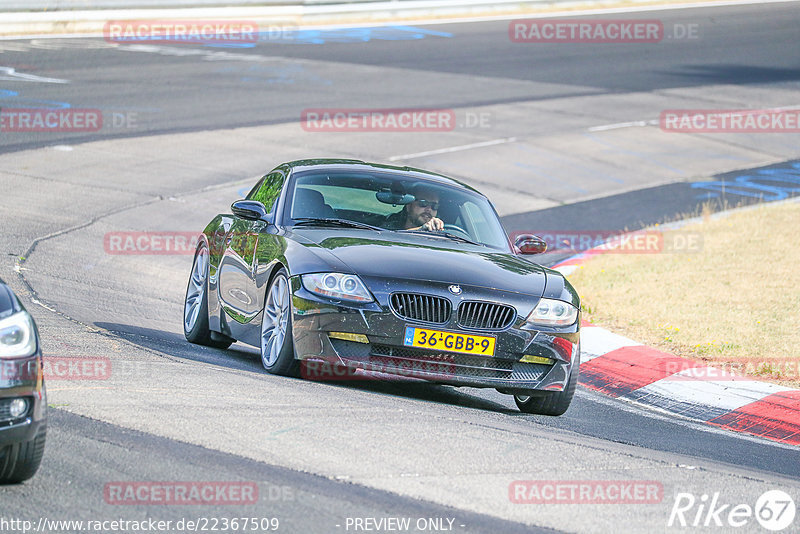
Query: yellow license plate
point(449, 341)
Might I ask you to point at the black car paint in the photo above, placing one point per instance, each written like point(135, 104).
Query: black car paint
point(21, 377)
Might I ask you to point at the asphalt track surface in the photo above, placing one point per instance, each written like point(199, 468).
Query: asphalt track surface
point(171, 92)
point(177, 412)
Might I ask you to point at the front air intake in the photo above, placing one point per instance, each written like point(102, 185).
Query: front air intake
point(474, 314)
point(425, 308)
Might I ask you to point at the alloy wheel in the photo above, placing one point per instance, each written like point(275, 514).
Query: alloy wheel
point(196, 290)
point(274, 321)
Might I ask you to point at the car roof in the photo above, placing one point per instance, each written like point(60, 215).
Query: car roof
point(358, 165)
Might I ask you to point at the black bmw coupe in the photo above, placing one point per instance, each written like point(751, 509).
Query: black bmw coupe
point(390, 271)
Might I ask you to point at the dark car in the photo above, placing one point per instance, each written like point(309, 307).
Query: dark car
point(23, 424)
point(390, 270)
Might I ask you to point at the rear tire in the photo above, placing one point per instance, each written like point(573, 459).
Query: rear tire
point(195, 305)
point(22, 460)
point(277, 347)
point(555, 403)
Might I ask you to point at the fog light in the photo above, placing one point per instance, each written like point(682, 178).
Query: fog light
point(18, 407)
point(528, 358)
point(346, 336)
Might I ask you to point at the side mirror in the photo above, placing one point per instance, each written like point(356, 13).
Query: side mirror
point(530, 244)
point(251, 210)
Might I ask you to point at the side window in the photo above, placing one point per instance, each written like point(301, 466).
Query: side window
point(268, 191)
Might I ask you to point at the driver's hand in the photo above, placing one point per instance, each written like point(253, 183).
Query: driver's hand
point(434, 225)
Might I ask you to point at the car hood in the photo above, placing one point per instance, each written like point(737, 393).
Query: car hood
point(410, 256)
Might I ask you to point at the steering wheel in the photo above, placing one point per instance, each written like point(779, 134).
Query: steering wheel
point(454, 228)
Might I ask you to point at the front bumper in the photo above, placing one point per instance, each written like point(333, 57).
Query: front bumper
point(369, 337)
point(21, 378)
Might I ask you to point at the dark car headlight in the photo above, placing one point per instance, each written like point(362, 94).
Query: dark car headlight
point(17, 336)
point(337, 286)
point(551, 312)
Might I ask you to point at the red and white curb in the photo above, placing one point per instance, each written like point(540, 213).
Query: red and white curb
point(622, 368)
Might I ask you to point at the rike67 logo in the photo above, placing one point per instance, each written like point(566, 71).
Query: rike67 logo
point(774, 510)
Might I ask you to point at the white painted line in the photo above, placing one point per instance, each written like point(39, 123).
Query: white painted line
point(11, 74)
point(597, 341)
point(617, 125)
point(735, 382)
point(727, 395)
point(453, 149)
point(655, 122)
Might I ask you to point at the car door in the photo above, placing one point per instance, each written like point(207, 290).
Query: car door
point(241, 268)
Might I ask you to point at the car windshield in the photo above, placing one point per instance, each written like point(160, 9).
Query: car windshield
point(396, 202)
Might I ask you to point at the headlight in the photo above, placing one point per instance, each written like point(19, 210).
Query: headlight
point(337, 286)
point(550, 312)
point(17, 336)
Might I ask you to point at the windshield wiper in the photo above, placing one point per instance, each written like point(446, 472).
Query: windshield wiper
point(338, 222)
point(454, 237)
point(462, 239)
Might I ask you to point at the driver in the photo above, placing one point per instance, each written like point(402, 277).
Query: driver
point(419, 214)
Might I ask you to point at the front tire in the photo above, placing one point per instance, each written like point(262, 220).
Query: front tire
point(195, 305)
point(555, 403)
point(277, 348)
point(22, 460)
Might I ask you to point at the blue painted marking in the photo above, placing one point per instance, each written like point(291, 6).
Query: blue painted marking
point(285, 35)
point(32, 103)
point(349, 35)
point(243, 191)
point(230, 45)
point(756, 192)
point(790, 174)
point(422, 31)
point(409, 339)
point(749, 185)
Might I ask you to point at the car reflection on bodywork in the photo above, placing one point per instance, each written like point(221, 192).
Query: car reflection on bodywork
point(324, 261)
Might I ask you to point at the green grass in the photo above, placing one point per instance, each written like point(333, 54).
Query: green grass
point(737, 299)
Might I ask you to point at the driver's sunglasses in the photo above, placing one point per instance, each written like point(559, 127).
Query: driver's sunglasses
point(425, 203)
